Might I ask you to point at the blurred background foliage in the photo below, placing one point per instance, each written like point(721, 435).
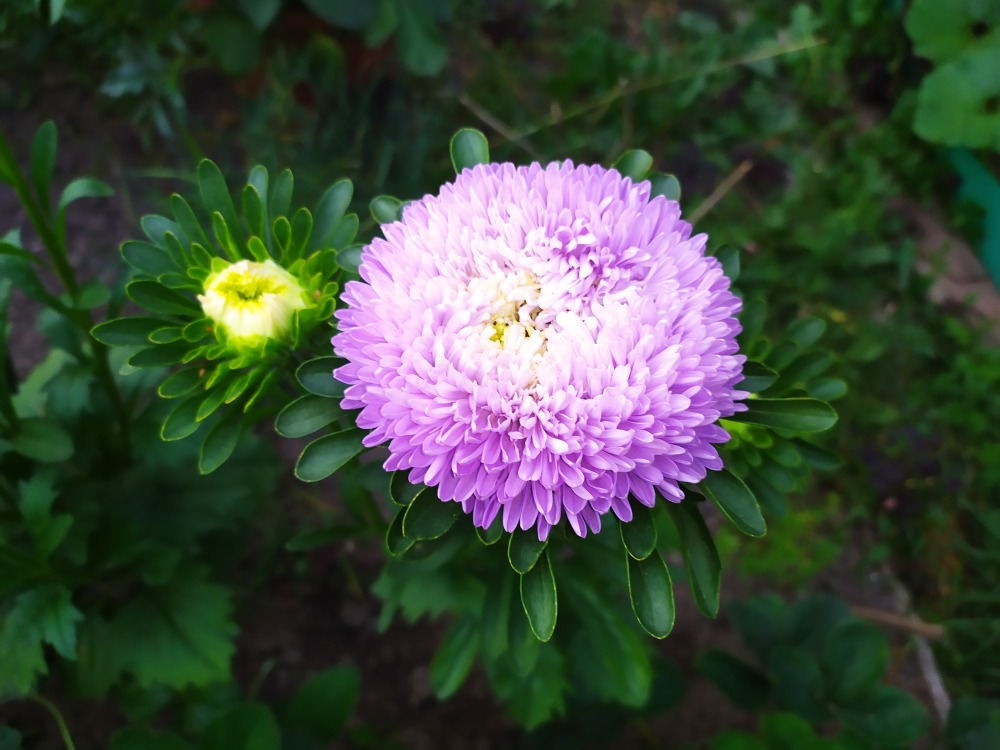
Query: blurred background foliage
point(808, 135)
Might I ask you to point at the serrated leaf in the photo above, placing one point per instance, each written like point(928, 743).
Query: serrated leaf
point(469, 147)
point(744, 685)
point(455, 656)
point(524, 549)
point(427, 517)
point(634, 164)
point(735, 500)
point(42, 440)
point(321, 708)
point(652, 594)
point(802, 415)
point(306, 415)
point(42, 614)
point(539, 598)
point(639, 534)
point(855, 656)
point(701, 558)
point(323, 457)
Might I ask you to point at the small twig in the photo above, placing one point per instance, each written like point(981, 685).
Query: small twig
point(911, 624)
point(721, 190)
point(60, 721)
point(490, 119)
point(258, 680)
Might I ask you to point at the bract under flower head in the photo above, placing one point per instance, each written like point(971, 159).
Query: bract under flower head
point(253, 302)
point(545, 342)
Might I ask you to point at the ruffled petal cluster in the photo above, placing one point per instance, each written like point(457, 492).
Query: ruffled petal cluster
point(542, 342)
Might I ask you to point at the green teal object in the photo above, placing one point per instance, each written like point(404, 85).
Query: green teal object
point(981, 187)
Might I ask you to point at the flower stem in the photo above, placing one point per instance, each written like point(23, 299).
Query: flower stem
point(60, 721)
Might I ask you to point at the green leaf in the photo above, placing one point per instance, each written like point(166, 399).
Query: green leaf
point(419, 42)
point(756, 377)
point(345, 232)
point(798, 682)
point(806, 332)
point(261, 12)
point(455, 656)
point(281, 195)
point(385, 209)
point(652, 594)
point(729, 257)
point(816, 457)
point(42, 614)
point(785, 731)
point(140, 738)
point(666, 185)
point(827, 389)
point(634, 164)
point(306, 415)
point(973, 724)
point(158, 299)
point(21, 274)
point(744, 685)
point(42, 440)
point(301, 231)
point(220, 442)
point(323, 457)
point(427, 517)
point(182, 420)
point(954, 102)
point(234, 42)
point(701, 559)
point(539, 599)
point(247, 726)
point(322, 707)
point(768, 497)
point(735, 500)
point(763, 622)
point(163, 355)
point(401, 492)
point(43, 161)
point(127, 331)
point(356, 16)
point(181, 382)
point(855, 657)
point(496, 616)
point(491, 535)
point(7, 249)
point(733, 739)
point(639, 534)
point(329, 213)
point(217, 199)
point(395, 542)
point(469, 147)
point(177, 635)
point(253, 212)
point(944, 29)
point(886, 717)
point(350, 258)
point(801, 415)
point(524, 549)
point(82, 187)
point(316, 376)
point(801, 369)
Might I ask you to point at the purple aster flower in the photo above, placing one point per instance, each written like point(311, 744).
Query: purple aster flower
point(543, 342)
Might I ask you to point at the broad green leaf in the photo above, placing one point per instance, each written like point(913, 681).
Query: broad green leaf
point(469, 147)
point(350, 258)
point(261, 12)
point(539, 599)
point(177, 635)
point(140, 738)
point(763, 622)
point(814, 616)
point(213, 401)
point(247, 726)
point(944, 29)
point(756, 377)
point(801, 369)
point(163, 355)
point(886, 717)
point(322, 707)
point(744, 685)
point(316, 376)
point(496, 616)
point(492, 534)
point(855, 657)
point(42, 440)
point(50, 609)
point(329, 213)
point(779, 356)
point(220, 442)
point(735, 500)
point(806, 332)
point(701, 559)
point(42, 614)
point(420, 44)
point(455, 656)
point(83, 187)
point(639, 534)
point(801, 415)
point(401, 492)
point(385, 209)
point(785, 731)
point(345, 232)
point(729, 257)
point(182, 420)
point(127, 331)
point(234, 42)
point(181, 382)
point(816, 457)
point(324, 456)
point(634, 164)
point(652, 594)
point(954, 102)
point(158, 299)
point(43, 161)
point(524, 549)
point(768, 497)
point(827, 389)
point(784, 452)
point(666, 185)
point(395, 542)
point(306, 415)
point(427, 517)
point(798, 682)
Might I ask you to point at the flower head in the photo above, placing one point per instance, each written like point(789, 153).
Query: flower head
point(543, 342)
point(253, 302)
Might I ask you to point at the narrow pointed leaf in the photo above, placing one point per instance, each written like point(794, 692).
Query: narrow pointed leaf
point(43, 161)
point(652, 594)
point(281, 195)
point(217, 199)
point(181, 383)
point(792, 414)
point(701, 558)
point(163, 355)
point(735, 500)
